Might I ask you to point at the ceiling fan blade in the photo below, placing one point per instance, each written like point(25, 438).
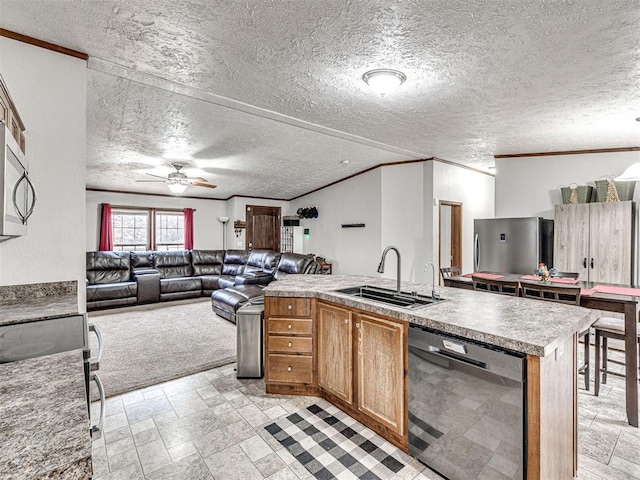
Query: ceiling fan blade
point(198, 184)
point(197, 179)
point(151, 181)
point(157, 176)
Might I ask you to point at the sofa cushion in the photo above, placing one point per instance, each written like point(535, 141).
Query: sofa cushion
point(234, 262)
point(255, 261)
point(294, 263)
point(142, 260)
point(226, 281)
point(180, 284)
point(173, 264)
point(111, 291)
point(247, 291)
point(207, 262)
point(209, 282)
point(108, 267)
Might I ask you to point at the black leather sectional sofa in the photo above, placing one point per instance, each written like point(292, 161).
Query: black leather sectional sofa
point(231, 277)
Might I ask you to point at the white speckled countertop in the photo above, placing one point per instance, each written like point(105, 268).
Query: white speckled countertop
point(44, 423)
point(39, 308)
point(530, 326)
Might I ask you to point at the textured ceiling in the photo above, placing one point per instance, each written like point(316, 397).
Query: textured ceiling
point(266, 98)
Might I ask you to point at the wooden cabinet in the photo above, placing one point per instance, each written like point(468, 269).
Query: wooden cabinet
point(335, 351)
point(375, 390)
point(381, 372)
point(289, 360)
point(595, 240)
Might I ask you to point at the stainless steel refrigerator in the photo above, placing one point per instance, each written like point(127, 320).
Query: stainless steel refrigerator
point(512, 245)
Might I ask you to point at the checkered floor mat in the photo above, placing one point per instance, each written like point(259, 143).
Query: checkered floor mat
point(331, 444)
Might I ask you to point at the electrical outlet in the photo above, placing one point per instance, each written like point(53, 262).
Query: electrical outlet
point(240, 244)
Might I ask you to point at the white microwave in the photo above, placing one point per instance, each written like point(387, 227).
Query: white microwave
point(18, 195)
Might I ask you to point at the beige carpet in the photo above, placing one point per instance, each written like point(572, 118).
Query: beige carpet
point(146, 345)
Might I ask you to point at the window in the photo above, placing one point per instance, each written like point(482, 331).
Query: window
point(169, 231)
point(142, 229)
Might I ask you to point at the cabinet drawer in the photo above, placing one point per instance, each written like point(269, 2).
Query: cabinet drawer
point(290, 344)
point(299, 326)
point(290, 307)
point(290, 369)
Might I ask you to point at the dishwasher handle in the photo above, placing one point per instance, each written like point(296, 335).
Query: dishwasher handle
point(458, 358)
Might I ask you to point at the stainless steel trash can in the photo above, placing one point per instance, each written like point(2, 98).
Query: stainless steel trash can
point(249, 340)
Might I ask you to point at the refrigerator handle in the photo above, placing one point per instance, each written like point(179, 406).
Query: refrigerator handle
point(584, 262)
point(476, 252)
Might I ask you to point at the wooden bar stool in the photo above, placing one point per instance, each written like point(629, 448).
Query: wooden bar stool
point(448, 272)
point(503, 287)
point(607, 327)
point(560, 294)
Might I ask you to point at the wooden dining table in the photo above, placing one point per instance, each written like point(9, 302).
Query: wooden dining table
point(627, 304)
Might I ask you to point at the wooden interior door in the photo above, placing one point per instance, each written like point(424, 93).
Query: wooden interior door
point(450, 244)
point(571, 239)
point(610, 242)
point(335, 351)
point(381, 367)
point(263, 227)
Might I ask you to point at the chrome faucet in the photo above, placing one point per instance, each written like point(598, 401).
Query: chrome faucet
point(434, 294)
point(381, 266)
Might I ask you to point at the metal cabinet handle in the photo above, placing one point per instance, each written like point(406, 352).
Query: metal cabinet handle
point(289, 307)
point(289, 326)
point(592, 263)
point(357, 325)
point(584, 262)
point(289, 344)
point(346, 320)
point(94, 328)
point(96, 430)
point(289, 369)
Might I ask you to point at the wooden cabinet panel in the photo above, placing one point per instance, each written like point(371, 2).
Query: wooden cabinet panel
point(291, 344)
point(571, 239)
point(290, 326)
point(381, 346)
point(598, 234)
point(290, 368)
point(335, 351)
point(285, 307)
point(610, 242)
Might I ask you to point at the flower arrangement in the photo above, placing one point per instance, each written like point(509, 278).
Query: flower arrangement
point(543, 272)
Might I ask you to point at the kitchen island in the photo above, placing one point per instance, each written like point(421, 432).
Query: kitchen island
point(354, 353)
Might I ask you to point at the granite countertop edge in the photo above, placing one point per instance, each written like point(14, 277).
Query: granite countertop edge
point(426, 316)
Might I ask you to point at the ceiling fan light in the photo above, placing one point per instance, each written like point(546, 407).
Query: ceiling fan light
point(177, 188)
point(384, 80)
point(631, 174)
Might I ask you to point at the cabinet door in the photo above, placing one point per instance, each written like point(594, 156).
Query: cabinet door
point(381, 370)
point(610, 242)
point(335, 351)
point(571, 239)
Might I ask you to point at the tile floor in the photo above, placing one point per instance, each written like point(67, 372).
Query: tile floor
point(211, 426)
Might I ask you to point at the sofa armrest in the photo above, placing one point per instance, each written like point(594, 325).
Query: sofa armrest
point(148, 282)
point(144, 271)
point(253, 278)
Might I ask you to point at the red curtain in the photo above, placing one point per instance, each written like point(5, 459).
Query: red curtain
point(106, 228)
point(188, 228)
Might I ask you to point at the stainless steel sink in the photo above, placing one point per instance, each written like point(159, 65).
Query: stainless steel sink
point(390, 297)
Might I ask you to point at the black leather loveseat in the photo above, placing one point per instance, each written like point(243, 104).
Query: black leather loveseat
point(225, 302)
point(130, 278)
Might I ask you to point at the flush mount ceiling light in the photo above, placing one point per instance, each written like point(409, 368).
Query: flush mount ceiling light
point(384, 80)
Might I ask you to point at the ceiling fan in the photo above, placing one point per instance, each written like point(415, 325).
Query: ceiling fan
point(177, 181)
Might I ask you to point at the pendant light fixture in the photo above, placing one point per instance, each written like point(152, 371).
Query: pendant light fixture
point(384, 80)
point(631, 174)
point(177, 188)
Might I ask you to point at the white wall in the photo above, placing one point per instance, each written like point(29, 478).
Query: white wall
point(236, 210)
point(403, 218)
point(353, 251)
point(49, 90)
point(206, 227)
point(476, 192)
point(530, 186)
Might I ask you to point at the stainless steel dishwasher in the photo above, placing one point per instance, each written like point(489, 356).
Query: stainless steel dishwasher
point(466, 407)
